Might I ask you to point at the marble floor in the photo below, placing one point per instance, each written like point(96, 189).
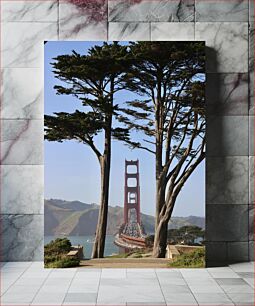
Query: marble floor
point(28, 283)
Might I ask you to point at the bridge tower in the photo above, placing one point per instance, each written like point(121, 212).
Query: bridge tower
point(132, 190)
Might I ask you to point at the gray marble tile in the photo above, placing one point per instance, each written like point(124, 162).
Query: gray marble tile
point(251, 10)
point(227, 180)
point(246, 274)
point(45, 298)
point(234, 10)
point(220, 142)
point(251, 250)
point(251, 93)
point(175, 289)
point(129, 31)
point(251, 135)
point(81, 297)
point(23, 10)
point(180, 299)
point(22, 93)
point(242, 299)
point(227, 94)
point(237, 252)
point(151, 10)
point(172, 31)
point(251, 69)
point(251, 180)
point(215, 252)
point(230, 281)
point(226, 43)
point(227, 223)
point(22, 237)
point(23, 43)
point(22, 189)
point(83, 20)
point(251, 222)
point(213, 299)
point(22, 142)
point(146, 303)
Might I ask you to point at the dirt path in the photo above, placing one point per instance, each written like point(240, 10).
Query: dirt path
point(125, 263)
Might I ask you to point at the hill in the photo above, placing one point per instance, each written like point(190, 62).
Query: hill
point(74, 218)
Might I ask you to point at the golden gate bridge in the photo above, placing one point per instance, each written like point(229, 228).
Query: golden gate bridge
point(131, 233)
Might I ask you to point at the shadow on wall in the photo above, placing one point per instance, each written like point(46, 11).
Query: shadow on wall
point(226, 221)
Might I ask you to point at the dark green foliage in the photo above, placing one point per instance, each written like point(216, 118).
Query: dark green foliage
point(58, 246)
point(64, 262)
point(171, 75)
point(185, 235)
point(55, 254)
point(195, 259)
point(93, 79)
point(168, 117)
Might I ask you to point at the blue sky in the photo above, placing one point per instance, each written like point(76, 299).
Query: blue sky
point(72, 170)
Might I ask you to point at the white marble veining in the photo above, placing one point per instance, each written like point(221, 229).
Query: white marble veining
point(22, 43)
point(22, 93)
point(234, 10)
point(82, 20)
point(175, 31)
point(151, 10)
point(21, 142)
point(129, 31)
point(22, 237)
point(227, 45)
point(22, 189)
point(23, 10)
point(227, 94)
point(26, 24)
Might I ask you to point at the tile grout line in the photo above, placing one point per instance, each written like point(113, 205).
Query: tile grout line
point(189, 287)
point(222, 288)
point(40, 286)
point(155, 270)
point(69, 286)
point(15, 280)
point(98, 286)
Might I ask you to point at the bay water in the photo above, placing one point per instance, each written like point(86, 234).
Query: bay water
point(87, 243)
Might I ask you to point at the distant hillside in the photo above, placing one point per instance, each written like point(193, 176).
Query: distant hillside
point(74, 218)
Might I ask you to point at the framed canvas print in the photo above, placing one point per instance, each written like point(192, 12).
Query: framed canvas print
point(124, 154)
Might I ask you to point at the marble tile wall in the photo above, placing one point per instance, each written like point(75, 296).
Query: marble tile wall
point(228, 29)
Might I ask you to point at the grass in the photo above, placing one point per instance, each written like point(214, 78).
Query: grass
point(195, 259)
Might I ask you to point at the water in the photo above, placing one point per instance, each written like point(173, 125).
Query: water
point(87, 243)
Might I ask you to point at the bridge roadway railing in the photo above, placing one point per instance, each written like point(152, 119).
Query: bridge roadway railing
point(133, 240)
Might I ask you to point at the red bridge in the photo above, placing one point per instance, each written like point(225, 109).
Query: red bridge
point(131, 234)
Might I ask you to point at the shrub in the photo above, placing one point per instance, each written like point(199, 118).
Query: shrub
point(55, 254)
point(64, 262)
point(195, 259)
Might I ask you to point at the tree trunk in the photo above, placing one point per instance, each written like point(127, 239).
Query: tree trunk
point(160, 199)
point(98, 249)
point(105, 161)
point(160, 240)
